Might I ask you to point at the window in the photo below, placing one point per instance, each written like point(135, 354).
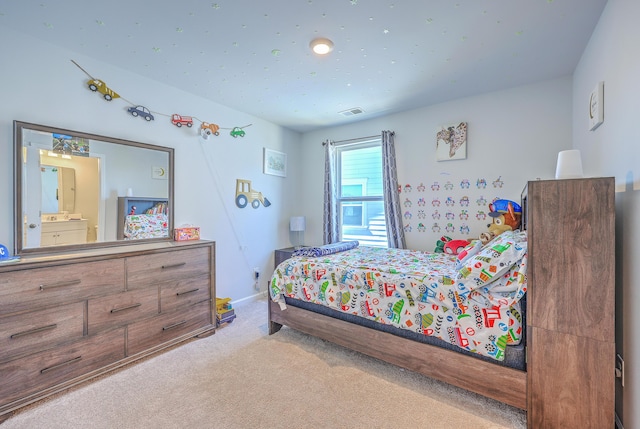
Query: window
point(360, 196)
point(352, 214)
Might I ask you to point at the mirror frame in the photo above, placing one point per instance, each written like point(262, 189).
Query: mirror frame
point(18, 127)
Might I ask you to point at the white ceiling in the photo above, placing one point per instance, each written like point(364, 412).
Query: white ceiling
point(254, 56)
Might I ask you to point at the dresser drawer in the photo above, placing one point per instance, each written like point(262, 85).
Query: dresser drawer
point(22, 377)
point(122, 308)
point(30, 332)
point(146, 270)
point(184, 293)
point(152, 332)
point(39, 287)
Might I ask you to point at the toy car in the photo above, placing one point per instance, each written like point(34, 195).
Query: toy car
point(179, 121)
point(208, 129)
point(141, 111)
point(237, 131)
point(101, 87)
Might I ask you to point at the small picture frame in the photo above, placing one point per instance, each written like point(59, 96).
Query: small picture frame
point(275, 163)
point(596, 107)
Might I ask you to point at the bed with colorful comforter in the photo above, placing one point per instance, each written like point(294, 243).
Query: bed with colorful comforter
point(141, 226)
point(473, 304)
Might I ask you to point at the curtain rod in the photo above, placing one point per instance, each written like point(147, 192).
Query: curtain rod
point(352, 140)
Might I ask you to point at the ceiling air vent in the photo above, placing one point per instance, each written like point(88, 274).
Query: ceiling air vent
point(352, 111)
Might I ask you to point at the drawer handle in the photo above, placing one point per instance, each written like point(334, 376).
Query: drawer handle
point(60, 284)
point(51, 368)
point(179, 264)
point(188, 291)
point(34, 331)
point(115, 310)
point(174, 325)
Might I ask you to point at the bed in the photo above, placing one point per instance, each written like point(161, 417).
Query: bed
point(432, 313)
point(143, 226)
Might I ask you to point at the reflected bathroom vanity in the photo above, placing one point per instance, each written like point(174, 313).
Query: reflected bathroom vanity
point(65, 231)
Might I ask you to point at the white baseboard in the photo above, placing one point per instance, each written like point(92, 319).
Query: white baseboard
point(250, 298)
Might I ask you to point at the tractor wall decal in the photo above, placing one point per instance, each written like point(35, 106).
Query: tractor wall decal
point(246, 195)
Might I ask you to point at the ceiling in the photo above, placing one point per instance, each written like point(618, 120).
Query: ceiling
point(254, 56)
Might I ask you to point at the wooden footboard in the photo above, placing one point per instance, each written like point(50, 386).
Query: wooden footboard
point(501, 383)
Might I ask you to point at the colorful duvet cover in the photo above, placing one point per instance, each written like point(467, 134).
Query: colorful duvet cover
point(146, 226)
point(475, 305)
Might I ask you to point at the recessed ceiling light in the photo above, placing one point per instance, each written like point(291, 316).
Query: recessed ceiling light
point(321, 46)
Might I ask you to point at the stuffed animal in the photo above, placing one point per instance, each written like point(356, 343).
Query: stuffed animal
point(506, 217)
point(440, 244)
point(454, 247)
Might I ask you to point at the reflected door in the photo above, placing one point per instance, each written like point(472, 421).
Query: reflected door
point(31, 193)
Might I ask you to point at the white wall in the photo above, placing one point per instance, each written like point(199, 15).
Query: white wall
point(613, 149)
point(514, 134)
point(39, 84)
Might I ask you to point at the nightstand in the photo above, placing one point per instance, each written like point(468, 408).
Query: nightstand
point(281, 255)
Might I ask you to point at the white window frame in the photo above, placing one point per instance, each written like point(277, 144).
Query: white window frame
point(345, 202)
point(341, 148)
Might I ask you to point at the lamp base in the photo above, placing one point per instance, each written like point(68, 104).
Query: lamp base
point(297, 239)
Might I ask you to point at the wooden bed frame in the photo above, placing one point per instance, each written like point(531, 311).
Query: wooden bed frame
point(504, 384)
point(570, 349)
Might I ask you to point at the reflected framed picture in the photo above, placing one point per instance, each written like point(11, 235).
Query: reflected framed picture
point(275, 163)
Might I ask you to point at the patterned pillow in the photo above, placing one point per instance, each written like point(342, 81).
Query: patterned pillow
point(495, 258)
point(327, 249)
point(471, 250)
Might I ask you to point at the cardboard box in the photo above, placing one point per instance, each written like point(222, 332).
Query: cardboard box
point(186, 233)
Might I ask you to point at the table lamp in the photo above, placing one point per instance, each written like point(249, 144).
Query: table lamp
point(297, 226)
point(569, 165)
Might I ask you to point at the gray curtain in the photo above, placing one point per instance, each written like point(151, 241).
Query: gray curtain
point(392, 208)
point(330, 210)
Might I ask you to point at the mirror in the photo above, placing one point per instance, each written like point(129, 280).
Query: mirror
point(75, 190)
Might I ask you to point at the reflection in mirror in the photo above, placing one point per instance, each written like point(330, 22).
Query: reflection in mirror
point(68, 184)
point(58, 188)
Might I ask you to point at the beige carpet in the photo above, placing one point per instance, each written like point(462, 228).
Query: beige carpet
point(243, 378)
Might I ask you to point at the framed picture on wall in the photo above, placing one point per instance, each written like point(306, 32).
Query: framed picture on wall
point(451, 142)
point(275, 163)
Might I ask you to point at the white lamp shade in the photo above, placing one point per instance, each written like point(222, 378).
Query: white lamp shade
point(297, 223)
point(569, 165)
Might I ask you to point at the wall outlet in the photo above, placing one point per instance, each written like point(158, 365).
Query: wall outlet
point(620, 368)
point(256, 277)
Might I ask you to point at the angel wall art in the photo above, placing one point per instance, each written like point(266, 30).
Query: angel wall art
point(451, 142)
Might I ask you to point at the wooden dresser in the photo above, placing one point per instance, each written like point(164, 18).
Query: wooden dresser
point(571, 303)
point(70, 317)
